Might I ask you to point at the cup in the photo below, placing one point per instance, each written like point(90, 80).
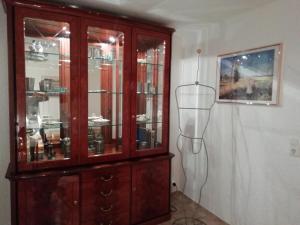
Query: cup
point(99, 144)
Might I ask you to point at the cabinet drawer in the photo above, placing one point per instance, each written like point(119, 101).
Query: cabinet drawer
point(97, 208)
point(107, 176)
point(105, 193)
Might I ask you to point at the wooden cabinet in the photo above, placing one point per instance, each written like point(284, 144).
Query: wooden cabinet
point(50, 200)
point(89, 115)
point(150, 190)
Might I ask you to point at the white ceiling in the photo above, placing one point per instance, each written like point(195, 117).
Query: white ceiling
point(174, 12)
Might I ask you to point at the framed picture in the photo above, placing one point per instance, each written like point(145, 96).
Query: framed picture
point(251, 76)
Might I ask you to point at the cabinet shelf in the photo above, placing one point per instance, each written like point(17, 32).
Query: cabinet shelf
point(120, 93)
point(148, 93)
point(59, 156)
point(110, 149)
point(104, 60)
point(49, 126)
point(104, 125)
point(148, 122)
point(46, 93)
point(150, 64)
point(104, 92)
point(30, 53)
point(115, 125)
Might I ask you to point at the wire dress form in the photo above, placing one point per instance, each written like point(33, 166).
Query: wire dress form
point(194, 104)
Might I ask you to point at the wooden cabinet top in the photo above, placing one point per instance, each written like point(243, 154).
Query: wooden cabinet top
point(89, 13)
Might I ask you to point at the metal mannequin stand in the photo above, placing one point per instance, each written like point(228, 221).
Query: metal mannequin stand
point(194, 90)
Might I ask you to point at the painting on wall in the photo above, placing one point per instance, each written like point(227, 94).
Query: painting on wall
point(250, 76)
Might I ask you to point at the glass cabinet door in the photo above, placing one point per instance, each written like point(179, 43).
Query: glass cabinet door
point(44, 86)
point(152, 82)
point(104, 117)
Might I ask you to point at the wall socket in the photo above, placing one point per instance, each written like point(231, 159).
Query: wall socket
point(174, 186)
point(294, 147)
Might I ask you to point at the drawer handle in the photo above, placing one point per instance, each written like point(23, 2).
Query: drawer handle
point(105, 195)
point(105, 210)
point(106, 179)
point(110, 223)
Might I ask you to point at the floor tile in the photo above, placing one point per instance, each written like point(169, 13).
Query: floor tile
point(184, 208)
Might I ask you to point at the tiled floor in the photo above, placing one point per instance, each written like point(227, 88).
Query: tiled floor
point(185, 206)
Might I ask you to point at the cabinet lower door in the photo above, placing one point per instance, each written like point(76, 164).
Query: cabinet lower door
point(150, 190)
point(49, 201)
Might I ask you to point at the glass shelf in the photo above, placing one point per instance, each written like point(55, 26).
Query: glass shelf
point(150, 64)
point(47, 126)
point(105, 59)
point(120, 93)
point(47, 93)
point(148, 93)
point(104, 125)
point(114, 125)
point(28, 53)
point(147, 122)
point(104, 92)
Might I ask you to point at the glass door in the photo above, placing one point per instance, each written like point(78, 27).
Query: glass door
point(150, 111)
point(45, 78)
point(104, 95)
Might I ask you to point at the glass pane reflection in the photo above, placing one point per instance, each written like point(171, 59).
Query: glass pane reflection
point(105, 93)
point(47, 69)
point(150, 75)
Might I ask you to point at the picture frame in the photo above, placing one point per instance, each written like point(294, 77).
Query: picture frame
point(250, 76)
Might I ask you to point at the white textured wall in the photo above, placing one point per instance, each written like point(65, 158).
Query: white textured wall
point(4, 127)
point(252, 178)
point(183, 70)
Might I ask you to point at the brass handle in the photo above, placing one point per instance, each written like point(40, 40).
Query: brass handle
point(105, 210)
point(107, 179)
point(105, 195)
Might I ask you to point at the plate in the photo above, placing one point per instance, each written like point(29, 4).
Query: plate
point(101, 121)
